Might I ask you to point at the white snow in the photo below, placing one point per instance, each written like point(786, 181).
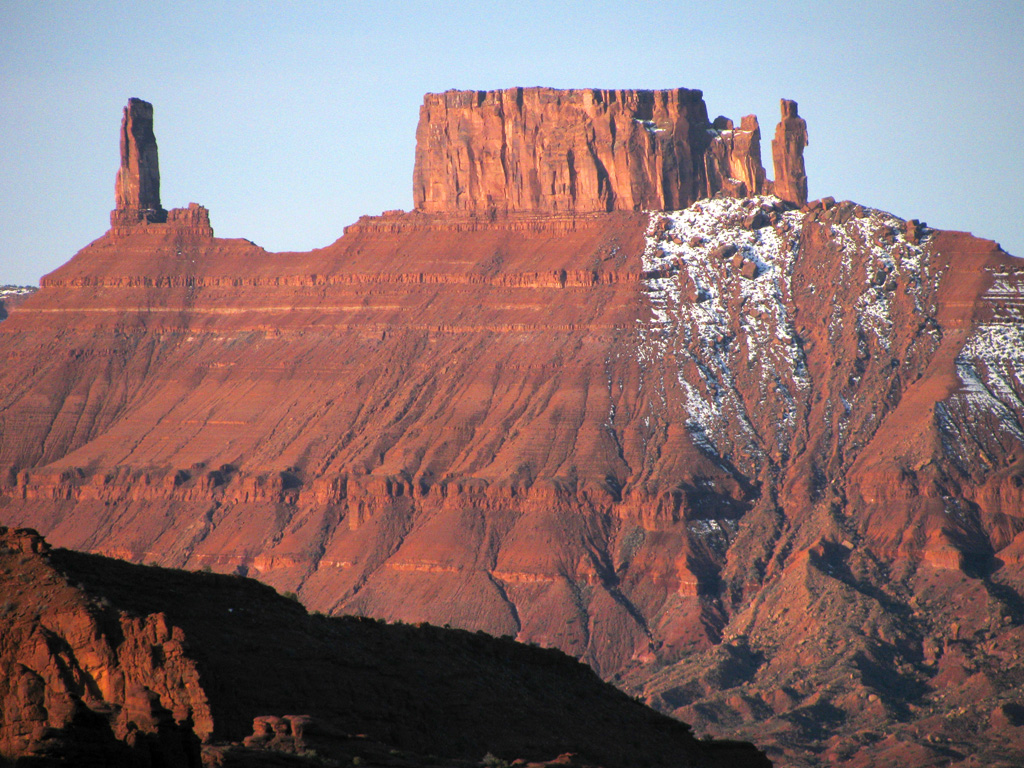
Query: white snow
point(709, 318)
point(708, 321)
point(990, 404)
point(991, 367)
point(888, 261)
point(649, 125)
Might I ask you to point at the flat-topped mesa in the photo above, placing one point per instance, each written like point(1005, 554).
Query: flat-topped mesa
point(544, 150)
point(788, 155)
point(137, 185)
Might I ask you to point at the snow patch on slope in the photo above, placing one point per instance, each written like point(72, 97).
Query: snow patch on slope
point(719, 287)
point(984, 419)
point(887, 257)
point(991, 362)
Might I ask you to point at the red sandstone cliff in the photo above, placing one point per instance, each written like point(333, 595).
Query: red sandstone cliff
point(552, 151)
point(732, 161)
point(761, 465)
point(137, 187)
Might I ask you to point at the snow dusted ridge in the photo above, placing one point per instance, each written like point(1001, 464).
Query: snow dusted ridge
point(9, 291)
point(991, 367)
point(718, 280)
point(876, 257)
point(719, 277)
point(879, 237)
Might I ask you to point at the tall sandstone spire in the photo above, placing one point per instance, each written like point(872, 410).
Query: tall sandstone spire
point(137, 187)
point(788, 155)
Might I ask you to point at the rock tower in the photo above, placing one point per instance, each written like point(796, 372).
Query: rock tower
point(788, 155)
point(137, 187)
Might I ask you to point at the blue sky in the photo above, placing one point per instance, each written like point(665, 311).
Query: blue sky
point(290, 120)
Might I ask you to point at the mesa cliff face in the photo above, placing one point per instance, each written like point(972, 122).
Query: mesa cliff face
point(759, 463)
point(544, 150)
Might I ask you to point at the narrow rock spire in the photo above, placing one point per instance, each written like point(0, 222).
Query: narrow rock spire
point(137, 187)
point(788, 155)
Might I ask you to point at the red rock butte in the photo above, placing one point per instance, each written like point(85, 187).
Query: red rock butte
point(761, 463)
point(542, 150)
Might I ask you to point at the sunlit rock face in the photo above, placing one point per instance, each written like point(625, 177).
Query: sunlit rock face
point(137, 185)
point(758, 462)
point(788, 155)
point(544, 150)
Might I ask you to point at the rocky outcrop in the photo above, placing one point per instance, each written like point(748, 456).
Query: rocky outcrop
point(80, 681)
point(137, 187)
point(105, 663)
point(732, 161)
point(788, 155)
point(543, 150)
point(193, 221)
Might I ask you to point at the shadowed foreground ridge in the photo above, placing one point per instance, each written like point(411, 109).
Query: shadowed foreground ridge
point(760, 463)
point(108, 663)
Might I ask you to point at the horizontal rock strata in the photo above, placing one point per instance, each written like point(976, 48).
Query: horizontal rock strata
point(759, 464)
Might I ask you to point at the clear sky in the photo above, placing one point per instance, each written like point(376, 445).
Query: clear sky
point(289, 120)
